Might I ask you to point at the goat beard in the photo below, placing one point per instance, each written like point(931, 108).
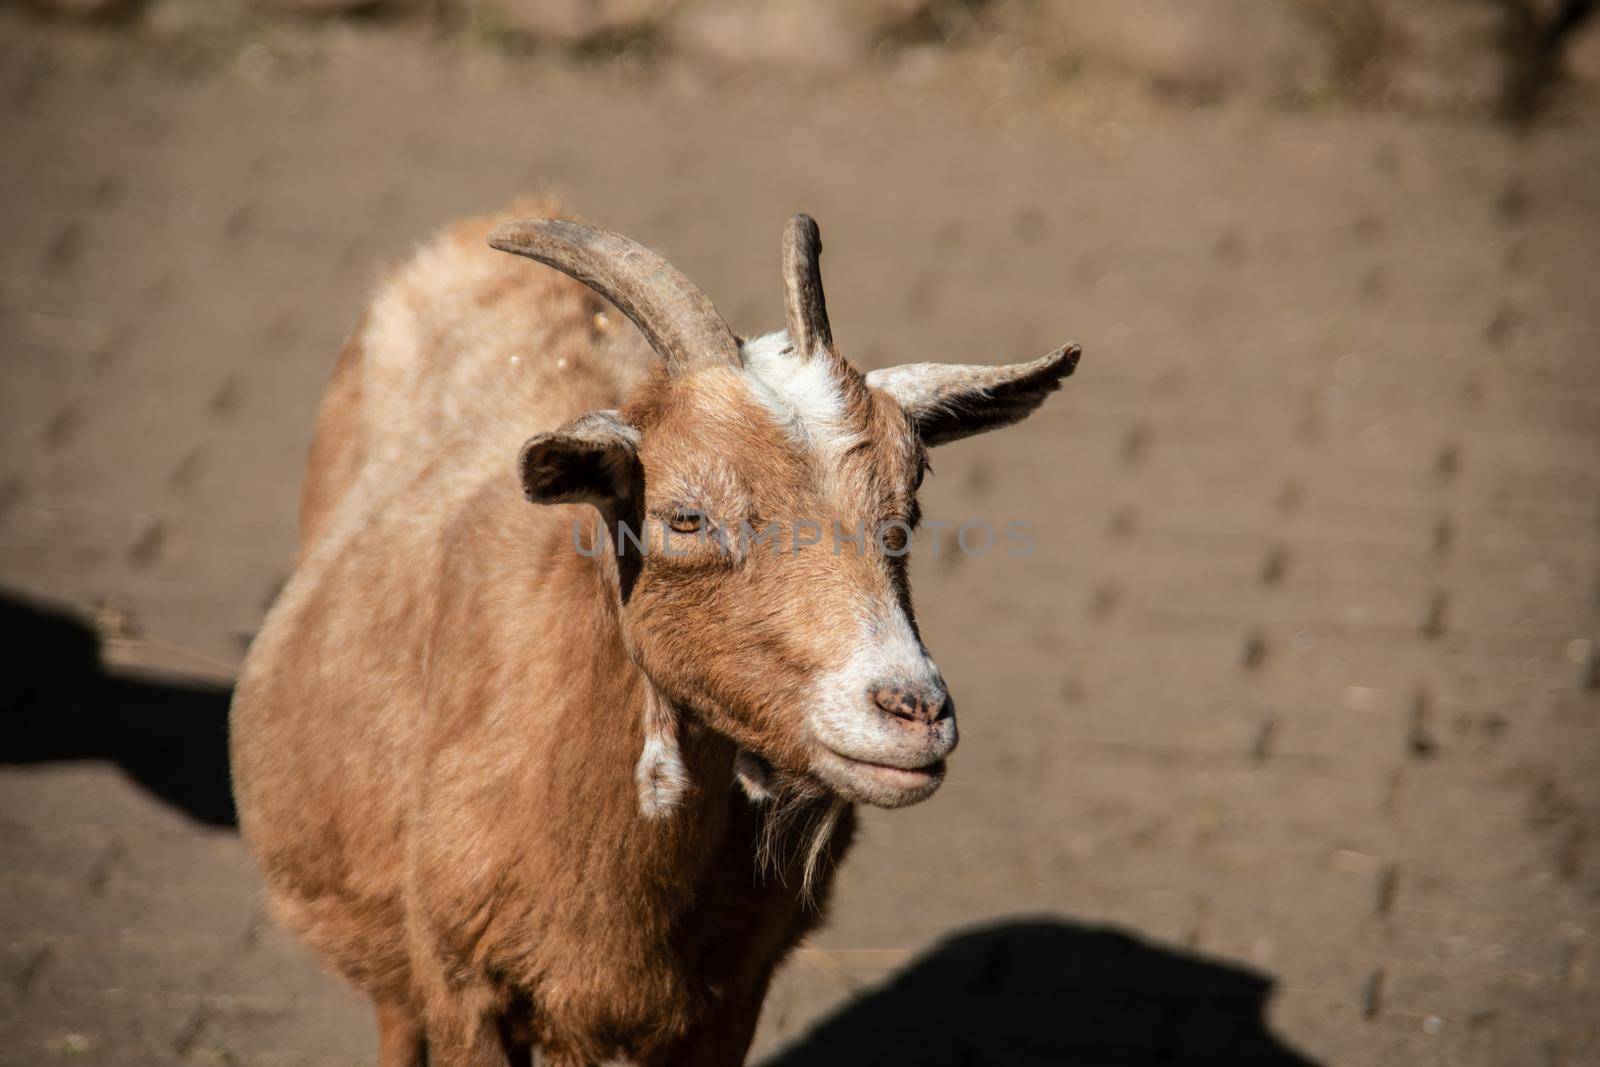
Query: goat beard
point(797, 816)
point(797, 821)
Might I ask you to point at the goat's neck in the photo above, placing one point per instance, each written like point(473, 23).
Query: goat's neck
point(663, 782)
point(668, 780)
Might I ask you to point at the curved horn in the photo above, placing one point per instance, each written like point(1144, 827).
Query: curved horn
point(804, 307)
point(676, 318)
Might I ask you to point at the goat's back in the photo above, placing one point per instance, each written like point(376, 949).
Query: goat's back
point(463, 353)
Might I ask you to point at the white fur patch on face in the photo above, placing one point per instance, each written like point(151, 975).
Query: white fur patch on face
point(802, 394)
point(888, 653)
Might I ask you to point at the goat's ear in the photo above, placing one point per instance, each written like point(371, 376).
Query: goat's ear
point(594, 459)
point(946, 401)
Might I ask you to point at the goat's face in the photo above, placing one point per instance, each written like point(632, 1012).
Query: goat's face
point(772, 598)
point(772, 490)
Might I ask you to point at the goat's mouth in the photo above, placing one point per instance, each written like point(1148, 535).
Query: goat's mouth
point(879, 784)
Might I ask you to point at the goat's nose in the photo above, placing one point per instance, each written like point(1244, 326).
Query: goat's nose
point(917, 704)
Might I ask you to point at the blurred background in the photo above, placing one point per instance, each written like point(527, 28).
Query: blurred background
point(1283, 747)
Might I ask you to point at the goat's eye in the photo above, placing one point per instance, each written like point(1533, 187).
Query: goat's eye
point(893, 538)
point(687, 520)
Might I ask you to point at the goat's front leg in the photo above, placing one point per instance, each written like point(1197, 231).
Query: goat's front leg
point(400, 1036)
point(469, 1046)
point(719, 1041)
point(468, 1030)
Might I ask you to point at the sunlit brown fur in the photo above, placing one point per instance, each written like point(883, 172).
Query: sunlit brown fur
point(436, 735)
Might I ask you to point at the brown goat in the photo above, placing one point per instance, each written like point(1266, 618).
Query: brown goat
point(527, 791)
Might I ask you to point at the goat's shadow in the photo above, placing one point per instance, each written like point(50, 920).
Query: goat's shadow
point(1042, 991)
point(60, 703)
point(1019, 993)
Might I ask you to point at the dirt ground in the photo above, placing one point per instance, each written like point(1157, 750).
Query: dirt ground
point(1283, 746)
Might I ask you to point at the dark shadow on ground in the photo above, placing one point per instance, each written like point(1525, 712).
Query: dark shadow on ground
point(60, 703)
point(1046, 992)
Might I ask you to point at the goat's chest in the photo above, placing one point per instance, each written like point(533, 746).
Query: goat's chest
point(670, 963)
